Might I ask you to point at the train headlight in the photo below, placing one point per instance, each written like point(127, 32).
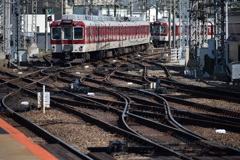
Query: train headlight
point(80, 48)
point(53, 48)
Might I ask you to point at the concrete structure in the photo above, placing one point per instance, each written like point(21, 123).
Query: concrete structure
point(140, 11)
point(40, 24)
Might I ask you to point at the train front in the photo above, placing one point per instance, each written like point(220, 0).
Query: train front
point(67, 40)
point(158, 33)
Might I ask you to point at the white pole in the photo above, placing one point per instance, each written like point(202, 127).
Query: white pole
point(43, 99)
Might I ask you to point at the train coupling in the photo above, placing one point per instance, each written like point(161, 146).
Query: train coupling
point(67, 55)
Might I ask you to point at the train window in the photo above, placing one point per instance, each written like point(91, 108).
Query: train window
point(151, 29)
point(78, 33)
point(163, 29)
point(67, 33)
point(156, 29)
point(56, 33)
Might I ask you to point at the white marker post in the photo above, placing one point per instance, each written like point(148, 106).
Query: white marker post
point(43, 99)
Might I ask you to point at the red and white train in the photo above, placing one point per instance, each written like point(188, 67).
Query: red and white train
point(160, 31)
point(81, 37)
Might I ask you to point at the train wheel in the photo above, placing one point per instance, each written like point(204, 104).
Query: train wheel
point(109, 54)
point(102, 54)
point(146, 46)
point(137, 50)
point(93, 55)
point(115, 52)
point(120, 51)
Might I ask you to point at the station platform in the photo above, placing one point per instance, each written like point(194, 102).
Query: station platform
point(14, 145)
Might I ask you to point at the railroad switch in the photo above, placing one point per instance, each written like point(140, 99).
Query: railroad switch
point(117, 146)
point(76, 88)
point(121, 146)
point(164, 90)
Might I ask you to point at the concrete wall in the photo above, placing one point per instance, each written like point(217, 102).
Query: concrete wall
point(40, 38)
point(40, 22)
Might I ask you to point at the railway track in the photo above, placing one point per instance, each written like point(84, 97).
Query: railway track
point(123, 105)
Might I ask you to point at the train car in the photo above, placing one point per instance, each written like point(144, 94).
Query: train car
point(82, 37)
point(160, 31)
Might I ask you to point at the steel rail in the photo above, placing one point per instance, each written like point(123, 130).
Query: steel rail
point(55, 104)
point(209, 122)
point(172, 120)
point(38, 130)
point(155, 124)
point(206, 107)
point(185, 102)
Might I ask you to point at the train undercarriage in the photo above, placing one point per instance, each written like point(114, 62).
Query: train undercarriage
point(157, 43)
point(95, 55)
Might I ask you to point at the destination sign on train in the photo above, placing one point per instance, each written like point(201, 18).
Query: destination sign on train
point(66, 21)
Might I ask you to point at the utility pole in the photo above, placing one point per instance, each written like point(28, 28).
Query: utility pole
point(174, 26)
point(226, 36)
point(219, 31)
point(157, 3)
point(18, 28)
point(184, 16)
point(86, 7)
point(91, 7)
point(108, 10)
point(131, 8)
point(34, 20)
point(62, 7)
point(147, 10)
point(46, 30)
point(7, 28)
point(115, 9)
point(46, 25)
point(169, 26)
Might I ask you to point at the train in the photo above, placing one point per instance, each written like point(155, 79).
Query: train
point(82, 37)
point(160, 31)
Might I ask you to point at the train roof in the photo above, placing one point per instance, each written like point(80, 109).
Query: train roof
point(77, 17)
point(90, 20)
point(163, 21)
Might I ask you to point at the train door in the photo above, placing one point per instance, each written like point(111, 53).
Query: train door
point(56, 36)
point(107, 35)
point(67, 41)
point(121, 35)
point(123, 32)
point(95, 31)
point(118, 34)
point(104, 36)
point(99, 36)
